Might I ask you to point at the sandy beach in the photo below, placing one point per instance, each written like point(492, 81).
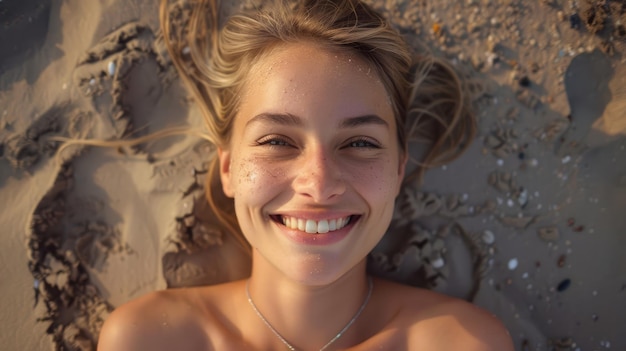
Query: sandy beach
point(529, 223)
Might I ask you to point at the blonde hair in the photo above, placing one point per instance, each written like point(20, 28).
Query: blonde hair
point(429, 99)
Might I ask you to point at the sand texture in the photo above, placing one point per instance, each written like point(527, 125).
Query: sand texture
point(529, 223)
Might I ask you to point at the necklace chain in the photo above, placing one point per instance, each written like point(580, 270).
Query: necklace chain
point(335, 338)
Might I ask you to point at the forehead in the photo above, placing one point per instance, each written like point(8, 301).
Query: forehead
point(300, 78)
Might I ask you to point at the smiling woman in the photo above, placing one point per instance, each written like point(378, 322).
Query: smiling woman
point(310, 104)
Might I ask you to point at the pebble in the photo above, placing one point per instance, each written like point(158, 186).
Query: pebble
point(438, 262)
point(563, 285)
point(513, 264)
point(523, 198)
point(561, 261)
point(488, 237)
point(111, 68)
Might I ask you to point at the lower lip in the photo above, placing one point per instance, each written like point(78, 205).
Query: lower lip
point(305, 238)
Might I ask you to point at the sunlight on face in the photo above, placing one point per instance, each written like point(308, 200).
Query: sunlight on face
point(314, 163)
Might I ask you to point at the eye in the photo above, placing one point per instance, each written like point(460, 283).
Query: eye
point(273, 141)
point(363, 143)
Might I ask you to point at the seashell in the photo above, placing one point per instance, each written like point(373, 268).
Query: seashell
point(438, 262)
point(513, 263)
point(522, 199)
point(488, 237)
point(111, 68)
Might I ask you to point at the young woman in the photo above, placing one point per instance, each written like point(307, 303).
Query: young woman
point(310, 104)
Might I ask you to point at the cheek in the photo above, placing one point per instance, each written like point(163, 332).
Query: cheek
point(255, 176)
point(379, 180)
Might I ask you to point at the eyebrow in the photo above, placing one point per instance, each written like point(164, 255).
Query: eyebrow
point(288, 119)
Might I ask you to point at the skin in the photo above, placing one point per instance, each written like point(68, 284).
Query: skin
point(311, 165)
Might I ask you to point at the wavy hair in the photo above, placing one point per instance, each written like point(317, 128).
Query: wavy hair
point(429, 100)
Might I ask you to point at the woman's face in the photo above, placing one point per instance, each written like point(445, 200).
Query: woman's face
point(314, 163)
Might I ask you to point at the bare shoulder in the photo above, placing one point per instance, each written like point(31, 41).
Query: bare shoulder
point(162, 320)
point(438, 322)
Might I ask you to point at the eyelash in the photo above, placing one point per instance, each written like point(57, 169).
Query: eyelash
point(274, 141)
point(369, 144)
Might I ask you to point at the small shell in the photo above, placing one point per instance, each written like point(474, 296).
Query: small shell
point(513, 263)
point(488, 237)
point(111, 68)
point(438, 262)
point(522, 199)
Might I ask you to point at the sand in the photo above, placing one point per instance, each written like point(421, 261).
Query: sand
point(528, 223)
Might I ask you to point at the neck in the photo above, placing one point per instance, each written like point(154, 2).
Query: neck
point(308, 316)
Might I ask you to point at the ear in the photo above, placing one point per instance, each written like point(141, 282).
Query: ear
point(225, 175)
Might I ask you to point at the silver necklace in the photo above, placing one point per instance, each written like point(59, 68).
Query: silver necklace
point(335, 338)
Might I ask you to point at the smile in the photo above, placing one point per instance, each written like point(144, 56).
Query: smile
point(312, 226)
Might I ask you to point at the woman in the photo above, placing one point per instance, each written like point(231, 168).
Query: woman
point(308, 103)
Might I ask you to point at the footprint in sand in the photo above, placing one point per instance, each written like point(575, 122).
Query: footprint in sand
point(63, 247)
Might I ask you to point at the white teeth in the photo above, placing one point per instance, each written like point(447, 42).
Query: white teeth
point(313, 227)
point(332, 224)
point(322, 226)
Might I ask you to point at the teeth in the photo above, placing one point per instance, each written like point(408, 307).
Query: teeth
point(311, 226)
point(314, 227)
point(322, 226)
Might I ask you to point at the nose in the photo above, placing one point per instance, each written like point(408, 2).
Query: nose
point(319, 176)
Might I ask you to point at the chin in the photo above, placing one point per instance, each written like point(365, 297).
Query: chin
point(315, 269)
